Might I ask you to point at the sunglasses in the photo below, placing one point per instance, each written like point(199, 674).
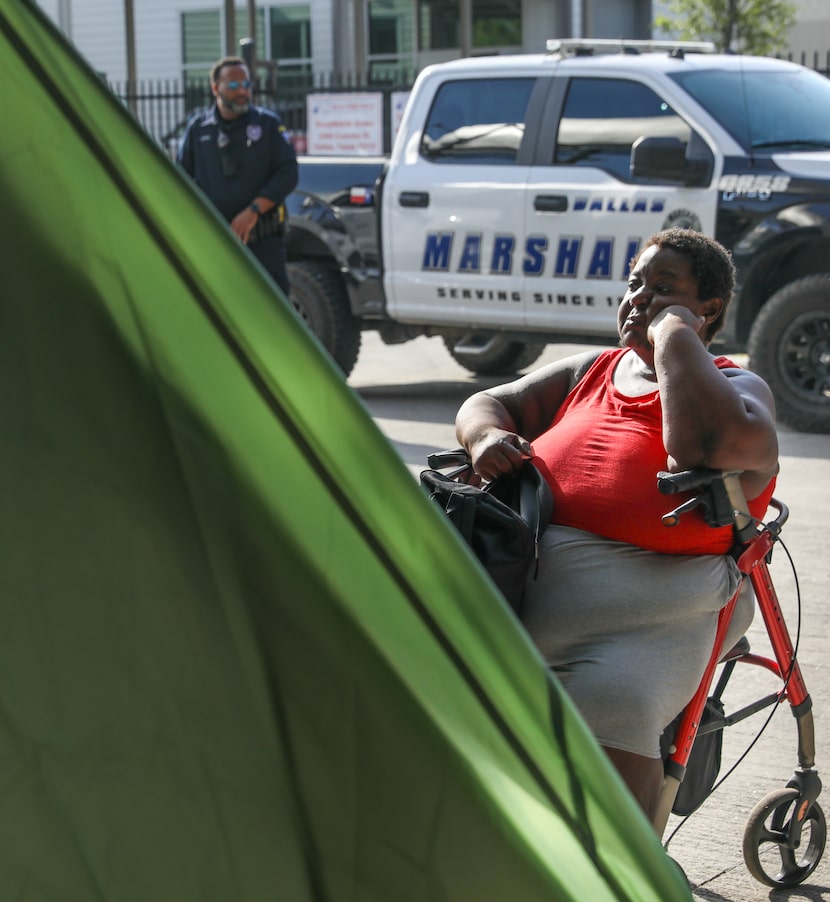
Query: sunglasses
point(236, 85)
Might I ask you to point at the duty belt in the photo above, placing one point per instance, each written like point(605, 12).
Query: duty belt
point(269, 224)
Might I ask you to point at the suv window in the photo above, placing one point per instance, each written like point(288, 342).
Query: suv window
point(766, 109)
point(603, 117)
point(477, 121)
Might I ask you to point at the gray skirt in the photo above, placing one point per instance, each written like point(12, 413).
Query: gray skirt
point(628, 632)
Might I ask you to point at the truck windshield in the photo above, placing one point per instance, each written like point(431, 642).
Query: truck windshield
point(766, 109)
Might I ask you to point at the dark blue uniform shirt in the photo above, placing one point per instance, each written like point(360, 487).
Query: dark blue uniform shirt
point(234, 161)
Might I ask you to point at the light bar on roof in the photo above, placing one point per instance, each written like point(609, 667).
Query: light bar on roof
point(575, 46)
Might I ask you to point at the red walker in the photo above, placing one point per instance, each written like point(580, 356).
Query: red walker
point(788, 821)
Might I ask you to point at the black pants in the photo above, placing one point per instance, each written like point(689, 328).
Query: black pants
point(271, 254)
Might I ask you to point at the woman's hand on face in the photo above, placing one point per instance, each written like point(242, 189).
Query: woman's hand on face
point(662, 299)
point(671, 317)
point(499, 452)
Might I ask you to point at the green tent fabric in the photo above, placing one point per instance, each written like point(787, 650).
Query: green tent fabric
point(241, 655)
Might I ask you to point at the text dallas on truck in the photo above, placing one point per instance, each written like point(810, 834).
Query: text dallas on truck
point(519, 187)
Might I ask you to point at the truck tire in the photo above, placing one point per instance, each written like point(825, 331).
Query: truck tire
point(318, 295)
point(789, 346)
point(489, 354)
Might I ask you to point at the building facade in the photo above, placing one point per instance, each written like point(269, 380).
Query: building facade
point(160, 39)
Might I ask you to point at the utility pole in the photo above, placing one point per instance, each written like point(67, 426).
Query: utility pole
point(465, 27)
point(360, 48)
point(65, 17)
point(252, 29)
point(129, 33)
point(230, 28)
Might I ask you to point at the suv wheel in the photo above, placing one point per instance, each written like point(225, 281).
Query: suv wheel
point(492, 355)
point(789, 346)
point(318, 295)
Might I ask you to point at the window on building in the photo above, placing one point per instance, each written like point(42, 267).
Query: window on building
point(497, 23)
point(285, 38)
point(438, 24)
point(602, 119)
point(201, 45)
point(391, 43)
point(290, 35)
point(203, 37)
point(242, 30)
point(477, 121)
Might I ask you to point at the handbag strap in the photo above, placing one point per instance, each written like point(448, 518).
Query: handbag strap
point(440, 460)
point(533, 500)
point(458, 458)
point(461, 510)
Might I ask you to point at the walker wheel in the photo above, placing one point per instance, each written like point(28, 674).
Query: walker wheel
point(767, 854)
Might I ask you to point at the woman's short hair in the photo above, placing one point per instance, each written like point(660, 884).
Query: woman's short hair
point(711, 265)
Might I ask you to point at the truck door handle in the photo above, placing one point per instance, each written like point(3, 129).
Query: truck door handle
point(414, 199)
point(550, 203)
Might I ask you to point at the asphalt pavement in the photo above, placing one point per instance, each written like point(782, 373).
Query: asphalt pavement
point(413, 391)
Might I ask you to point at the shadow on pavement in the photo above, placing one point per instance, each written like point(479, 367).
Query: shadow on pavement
point(429, 390)
point(802, 444)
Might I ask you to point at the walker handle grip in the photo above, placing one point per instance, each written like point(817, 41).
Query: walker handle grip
point(687, 480)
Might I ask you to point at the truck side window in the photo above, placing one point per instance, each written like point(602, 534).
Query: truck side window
point(603, 117)
point(477, 121)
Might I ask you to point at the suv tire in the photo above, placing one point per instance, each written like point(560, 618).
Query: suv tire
point(319, 297)
point(789, 346)
point(489, 354)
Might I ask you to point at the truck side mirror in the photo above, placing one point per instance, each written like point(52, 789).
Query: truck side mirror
point(665, 159)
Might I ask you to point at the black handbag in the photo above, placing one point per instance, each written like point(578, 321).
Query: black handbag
point(502, 521)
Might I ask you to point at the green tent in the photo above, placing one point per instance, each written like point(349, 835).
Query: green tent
point(241, 655)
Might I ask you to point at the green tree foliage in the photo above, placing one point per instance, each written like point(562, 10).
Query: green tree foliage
point(748, 26)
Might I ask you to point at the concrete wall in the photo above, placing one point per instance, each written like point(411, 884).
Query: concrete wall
point(97, 29)
point(811, 33)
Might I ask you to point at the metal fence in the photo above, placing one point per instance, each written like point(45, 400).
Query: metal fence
point(816, 60)
point(164, 107)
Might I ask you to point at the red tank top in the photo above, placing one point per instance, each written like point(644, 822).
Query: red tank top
point(601, 457)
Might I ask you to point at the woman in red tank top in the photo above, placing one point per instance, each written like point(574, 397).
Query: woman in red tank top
point(600, 426)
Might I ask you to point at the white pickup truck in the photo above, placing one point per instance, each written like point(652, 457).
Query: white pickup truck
point(519, 187)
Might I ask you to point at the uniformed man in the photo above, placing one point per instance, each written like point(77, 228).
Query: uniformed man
point(242, 159)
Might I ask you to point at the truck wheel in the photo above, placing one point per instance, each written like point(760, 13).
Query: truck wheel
point(492, 355)
point(318, 295)
point(789, 346)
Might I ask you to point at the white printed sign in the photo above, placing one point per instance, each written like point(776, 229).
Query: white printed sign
point(349, 124)
point(399, 99)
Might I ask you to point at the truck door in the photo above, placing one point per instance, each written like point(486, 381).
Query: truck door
point(453, 208)
point(587, 214)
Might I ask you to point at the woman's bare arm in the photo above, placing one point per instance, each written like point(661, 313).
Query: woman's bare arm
point(724, 419)
point(497, 425)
